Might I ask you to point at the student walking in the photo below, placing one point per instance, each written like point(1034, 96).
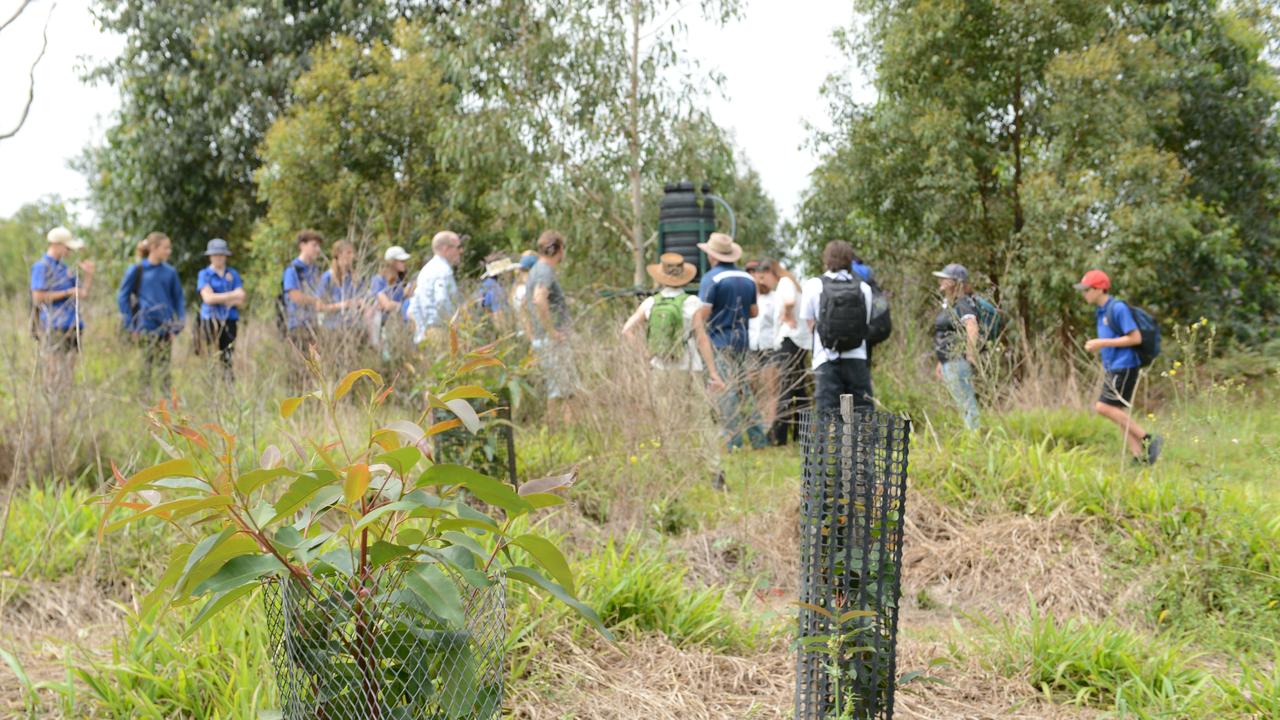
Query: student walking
point(1117, 342)
point(728, 298)
point(435, 294)
point(152, 308)
point(549, 323)
point(663, 324)
point(493, 293)
point(792, 342)
point(837, 309)
point(221, 294)
point(955, 340)
point(56, 292)
point(302, 302)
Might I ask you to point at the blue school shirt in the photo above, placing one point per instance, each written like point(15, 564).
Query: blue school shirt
point(331, 292)
point(730, 292)
point(302, 277)
point(161, 308)
point(226, 282)
point(493, 297)
point(50, 275)
point(1116, 320)
point(394, 291)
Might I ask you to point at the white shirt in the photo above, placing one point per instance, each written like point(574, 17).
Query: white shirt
point(434, 297)
point(812, 300)
point(788, 293)
point(690, 360)
point(761, 329)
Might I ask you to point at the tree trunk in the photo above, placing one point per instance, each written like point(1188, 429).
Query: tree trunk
point(633, 145)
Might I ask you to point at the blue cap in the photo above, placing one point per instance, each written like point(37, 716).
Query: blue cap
point(527, 262)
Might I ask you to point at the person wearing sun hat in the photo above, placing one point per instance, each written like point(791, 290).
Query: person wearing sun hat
point(671, 339)
point(728, 296)
point(955, 340)
point(221, 292)
point(493, 293)
point(1117, 342)
point(56, 292)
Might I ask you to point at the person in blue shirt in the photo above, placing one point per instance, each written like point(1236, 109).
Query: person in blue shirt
point(1118, 338)
point(221, 294)
point(862, 269)
point(728, 297)
point(342, 294)
point(152, 307)
point(390, 291)
point(493, 293)
point(301, 301)
point(56, 292)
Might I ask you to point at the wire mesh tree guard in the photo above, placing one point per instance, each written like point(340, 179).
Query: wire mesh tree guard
point(855, 477)
point(345, 651)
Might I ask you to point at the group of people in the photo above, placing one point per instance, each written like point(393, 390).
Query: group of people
point(328, 304)
point(749, 330)
point(746, 332)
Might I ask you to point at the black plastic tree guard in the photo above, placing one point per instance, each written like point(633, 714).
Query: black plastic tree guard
point(855, 479)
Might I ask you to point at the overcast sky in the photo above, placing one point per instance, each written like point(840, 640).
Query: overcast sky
point(774, 59)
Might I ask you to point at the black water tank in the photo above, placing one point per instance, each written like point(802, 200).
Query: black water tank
point(686, 218)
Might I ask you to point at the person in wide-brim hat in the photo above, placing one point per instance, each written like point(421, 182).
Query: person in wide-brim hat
point(721, 248)
point(672, 271)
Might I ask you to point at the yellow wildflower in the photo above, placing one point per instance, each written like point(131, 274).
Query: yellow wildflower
point(634, 459)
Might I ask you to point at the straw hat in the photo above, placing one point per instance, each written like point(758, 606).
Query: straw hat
point(671, 270)
point(63, 236)
point(721, 247)
point(499, 266)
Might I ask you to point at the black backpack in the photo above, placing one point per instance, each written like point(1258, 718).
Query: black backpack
point(881, 325)
point(842, 315)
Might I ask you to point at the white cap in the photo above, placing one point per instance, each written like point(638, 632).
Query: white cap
point(395, 252)
point(63, 236)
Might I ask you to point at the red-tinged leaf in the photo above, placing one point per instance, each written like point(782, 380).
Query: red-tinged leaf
point(193, 435)
point(356, 483)
point(484, 350)
point(477, 363)
point(443, 426)
point(227, 437)
point(289, 405)
point(382, 396)
point(182, 467)
point(454, 345)
point(345, 385)
point(386, 439)
point(468, 392)
point(174, 509)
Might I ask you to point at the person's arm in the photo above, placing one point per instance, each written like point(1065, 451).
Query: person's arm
point(715, 382)
point(754, 311)
point(788, 303)
point(1134, 338)
point(542, 306)
point(971, 334)
point(179, 303)
point(126, 286)
point(86, 281)
point(634, 324)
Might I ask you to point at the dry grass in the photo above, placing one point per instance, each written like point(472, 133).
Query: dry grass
point(997, 563)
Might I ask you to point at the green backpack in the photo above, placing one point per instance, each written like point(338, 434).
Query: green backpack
point(666, 327)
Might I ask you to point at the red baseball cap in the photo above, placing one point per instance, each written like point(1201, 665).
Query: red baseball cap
point(1094, 279)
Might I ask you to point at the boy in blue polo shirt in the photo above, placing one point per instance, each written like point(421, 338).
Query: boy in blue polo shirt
point(56, 292)
point(728, 297)
point(221, 293)
point(1118, 338)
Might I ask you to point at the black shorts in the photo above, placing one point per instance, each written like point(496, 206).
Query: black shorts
point(1118, 387)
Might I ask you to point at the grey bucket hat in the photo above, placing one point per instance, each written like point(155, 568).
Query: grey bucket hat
point(217, 246)
point(954, 271)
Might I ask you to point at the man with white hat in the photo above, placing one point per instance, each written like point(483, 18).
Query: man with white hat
point(56, 292)
point(728, 298)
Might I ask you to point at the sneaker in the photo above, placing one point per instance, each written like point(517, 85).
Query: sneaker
point(1154, 446)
